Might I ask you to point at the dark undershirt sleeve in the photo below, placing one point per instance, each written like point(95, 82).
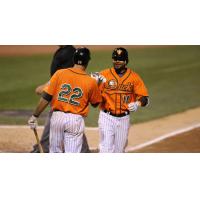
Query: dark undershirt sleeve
point(144, 101)
point(46, 96)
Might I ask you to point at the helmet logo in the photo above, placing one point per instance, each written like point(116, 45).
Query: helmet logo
point(119, 51)
point(81, 56)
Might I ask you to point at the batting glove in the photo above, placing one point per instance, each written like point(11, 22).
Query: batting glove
point(98, 77)
point(132, 107)
point(32, 122)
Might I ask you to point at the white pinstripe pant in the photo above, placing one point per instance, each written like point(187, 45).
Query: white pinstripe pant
point(113, 133)
point(66, 132)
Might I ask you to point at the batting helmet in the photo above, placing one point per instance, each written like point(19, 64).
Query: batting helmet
point(82, 56)
point(120, 54)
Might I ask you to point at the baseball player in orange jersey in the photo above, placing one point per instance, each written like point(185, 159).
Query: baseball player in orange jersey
point(69, 91)
point(122, 93)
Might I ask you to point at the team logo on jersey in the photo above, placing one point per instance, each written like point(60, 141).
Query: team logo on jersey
point(126, 87)
point(112, 84)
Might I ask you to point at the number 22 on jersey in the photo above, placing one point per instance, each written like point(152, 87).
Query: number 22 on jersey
point(70, 95)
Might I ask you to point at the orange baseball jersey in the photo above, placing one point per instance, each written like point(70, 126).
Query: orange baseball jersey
point(118, 92)
point(72, 90)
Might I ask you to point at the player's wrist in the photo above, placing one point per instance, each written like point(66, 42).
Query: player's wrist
point(35, 115)
point(139, 103)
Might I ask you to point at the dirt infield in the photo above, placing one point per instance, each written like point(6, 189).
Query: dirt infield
point(21, 139)
point(188, 142)
point(16, 50)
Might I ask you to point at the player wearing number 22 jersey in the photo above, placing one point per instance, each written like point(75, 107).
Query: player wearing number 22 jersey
point(70, 91)
point(124, 91)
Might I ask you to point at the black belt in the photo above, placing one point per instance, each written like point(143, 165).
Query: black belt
point(117, 115)
point(56, 110)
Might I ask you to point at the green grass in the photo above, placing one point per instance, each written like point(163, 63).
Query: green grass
point(18, 78)
point(171, 75)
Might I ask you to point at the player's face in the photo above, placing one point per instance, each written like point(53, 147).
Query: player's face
point(119, 64)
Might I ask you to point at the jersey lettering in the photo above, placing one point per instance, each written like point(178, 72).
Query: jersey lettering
point(66, 90)
point(112, 85)
point(78, 93)
point(126, 99)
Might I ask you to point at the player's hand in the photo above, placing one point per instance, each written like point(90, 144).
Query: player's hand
point(32, 122)
point(132, 107)
point(98, 77)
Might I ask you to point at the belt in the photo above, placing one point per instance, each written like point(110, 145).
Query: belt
point(117, 115)
point(56, 110)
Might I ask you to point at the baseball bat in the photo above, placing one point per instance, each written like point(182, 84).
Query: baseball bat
point(38, 141)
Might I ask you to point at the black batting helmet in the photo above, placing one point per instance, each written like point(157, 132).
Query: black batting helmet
point(120, 54)
point(82, 56)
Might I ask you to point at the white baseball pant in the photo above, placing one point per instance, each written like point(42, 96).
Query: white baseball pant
point(113, 133)
point(66, 132)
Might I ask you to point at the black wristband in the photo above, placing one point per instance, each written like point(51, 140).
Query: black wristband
point(144, 101)
point(35, 115)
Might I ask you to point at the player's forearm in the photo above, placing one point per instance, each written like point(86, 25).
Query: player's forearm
point(40, 107)
point(40, 89)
